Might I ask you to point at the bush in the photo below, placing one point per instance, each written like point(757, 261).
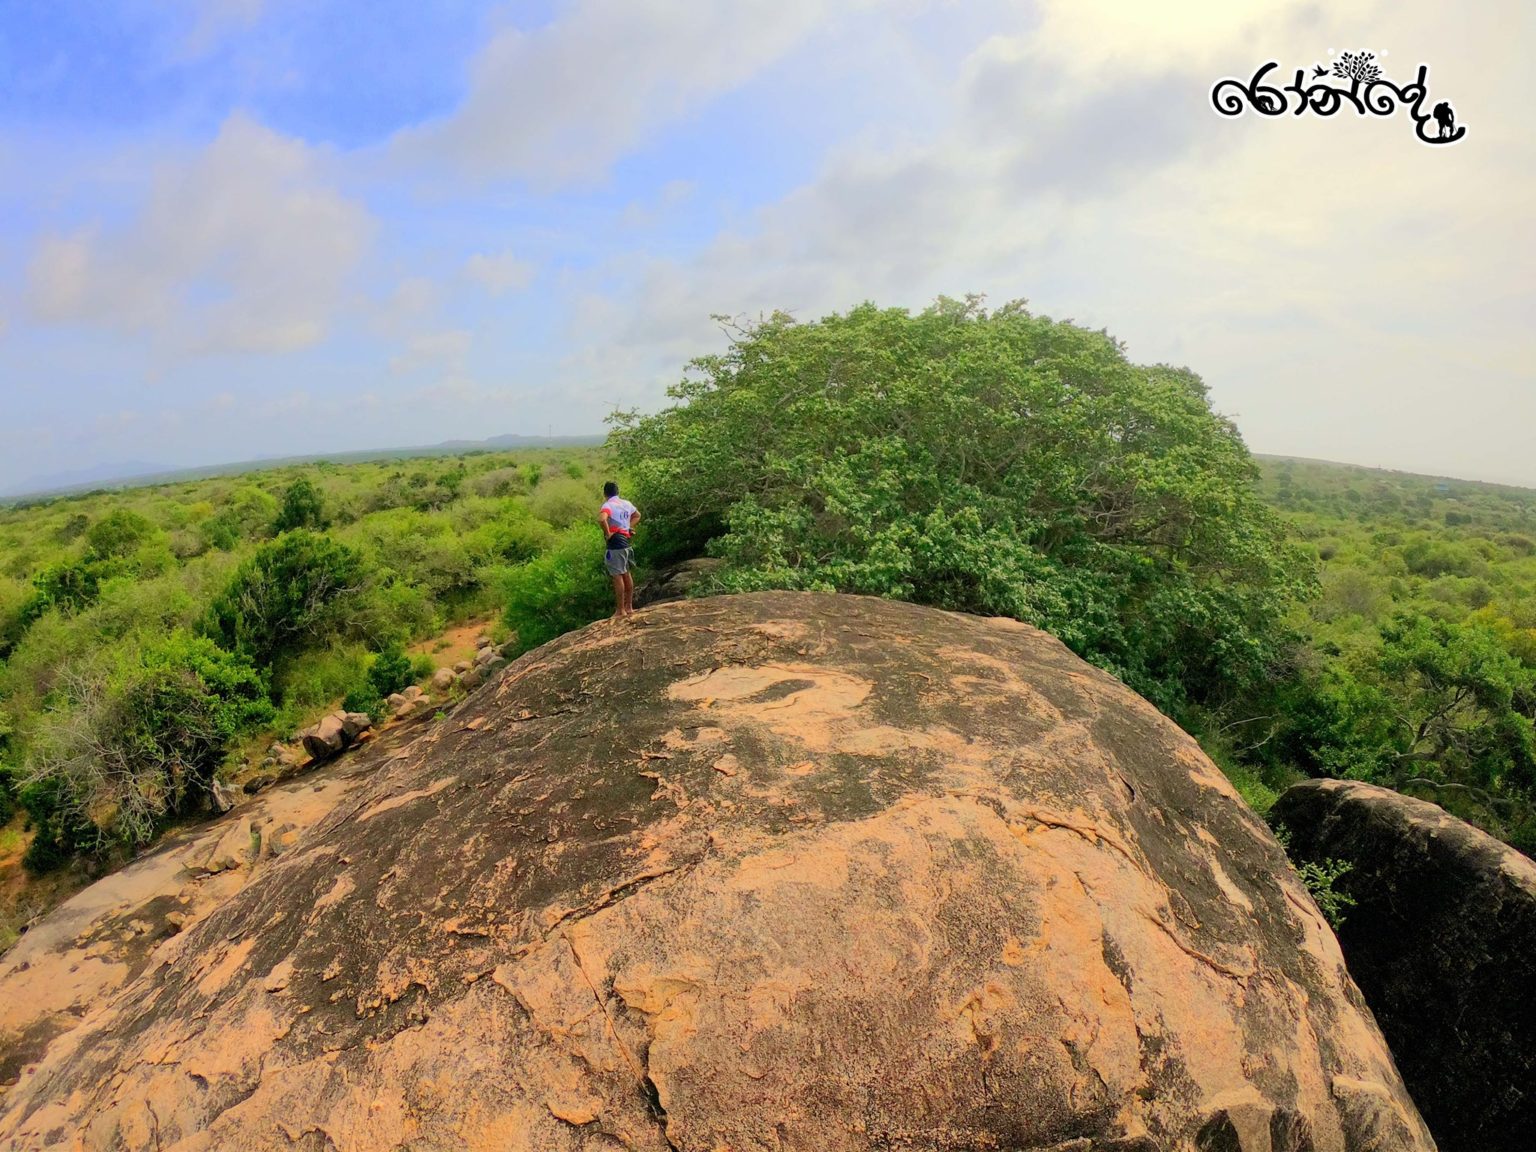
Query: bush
point(390, 671)
point(296, 591)
point(119, 533)
point(562, 502)
point(514, 537)
point(303, 507)
point(69, 585)
point(1320, 878)
point(421, 548)
point(137, 745)
point(563, 589)
point(249, 513)
point(318, 680)
point(7, 794)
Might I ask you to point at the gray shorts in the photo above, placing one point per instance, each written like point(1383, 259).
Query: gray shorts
point(616, 560)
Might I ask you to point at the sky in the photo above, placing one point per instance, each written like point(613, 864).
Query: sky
point(243, 228)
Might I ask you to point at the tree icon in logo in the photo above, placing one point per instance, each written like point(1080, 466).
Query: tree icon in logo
point(1358, 68)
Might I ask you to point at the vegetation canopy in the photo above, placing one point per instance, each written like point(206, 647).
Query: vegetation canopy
point(990, 462)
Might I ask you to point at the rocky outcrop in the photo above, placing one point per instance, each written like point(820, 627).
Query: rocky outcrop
point(676, 581)
point(82, 953)
point(1442, 941)
point(778, 871)
point(335, 733)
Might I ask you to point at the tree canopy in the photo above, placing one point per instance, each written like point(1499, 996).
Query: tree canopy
point(985, 461)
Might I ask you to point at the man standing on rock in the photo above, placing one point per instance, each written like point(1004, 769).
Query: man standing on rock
point(618, 518)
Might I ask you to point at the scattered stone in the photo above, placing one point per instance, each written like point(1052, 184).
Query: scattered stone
point(256, 783)
point(495, 664)
point(325, 739)
point(472, 679)
point(482, 641)
point(354, 724)
point(395, 699)
point(442, 680)
point(462, 666)
point(509, 649)
point(411, 693)
point(224, 795)
point(485, 656)
point(1442, 941)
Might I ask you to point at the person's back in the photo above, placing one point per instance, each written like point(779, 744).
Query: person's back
point(618, 518)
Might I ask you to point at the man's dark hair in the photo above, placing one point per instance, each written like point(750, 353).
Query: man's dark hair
point(610, 490)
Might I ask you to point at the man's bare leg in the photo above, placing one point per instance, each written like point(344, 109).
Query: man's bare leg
point(618, 595)
point(629, 594)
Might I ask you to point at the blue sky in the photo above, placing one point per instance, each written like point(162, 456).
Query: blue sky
point(232, 228)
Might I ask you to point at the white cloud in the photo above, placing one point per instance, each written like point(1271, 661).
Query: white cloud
point(244, 247)
point(673, 193)
point(499, 273)
point(1303, 266)
point(559, 104)
point(216, 20)
point(445, 353)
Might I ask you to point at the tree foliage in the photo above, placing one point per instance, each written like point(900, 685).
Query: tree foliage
point(132, 746)
point(303, 507)
point(295, 590)
point(565, 588)
point(990, 462)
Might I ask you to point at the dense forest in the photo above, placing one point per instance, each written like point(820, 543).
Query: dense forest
point(1299, 618)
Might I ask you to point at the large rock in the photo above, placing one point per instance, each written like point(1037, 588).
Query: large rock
point(677, 581)
point(1442, 941)
point(327, 738)
point(779, 871)
point(354, 724)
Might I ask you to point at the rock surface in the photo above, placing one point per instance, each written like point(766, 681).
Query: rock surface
point(676, 581)
point(326, 739)
point(1442, 943)
point(780, 871)
point(336, 733)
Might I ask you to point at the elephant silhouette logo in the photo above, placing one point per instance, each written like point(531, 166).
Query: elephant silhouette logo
point(1354, 80)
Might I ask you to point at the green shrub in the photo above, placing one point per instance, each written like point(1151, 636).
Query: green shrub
point(303, 507)
point(119, 533)
point(419, 547)
point(70, 585)
point(17, 603)
point(7, 794)
point(1320, 878)
point(318, 680)
point(513, 537)
point(563, 589)
point(390, 671)
point(59, 831)
point(562, 502)
point(129, 748)
point(297, 591)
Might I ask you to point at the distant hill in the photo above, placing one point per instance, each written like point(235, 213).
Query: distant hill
point(138, 474)
point(86, 477)
point(1339, 469)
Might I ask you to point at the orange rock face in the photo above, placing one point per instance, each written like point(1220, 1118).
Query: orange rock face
point(778, 871)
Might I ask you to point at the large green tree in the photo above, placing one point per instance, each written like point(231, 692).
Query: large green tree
point(987, 461)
